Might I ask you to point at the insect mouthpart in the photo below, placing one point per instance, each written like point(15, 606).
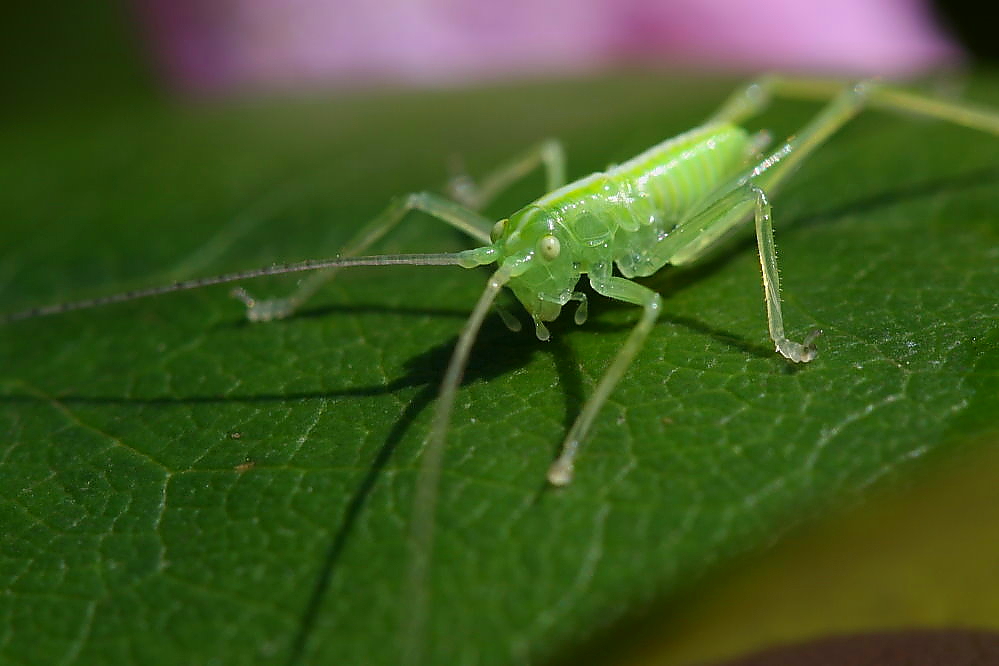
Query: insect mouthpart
point(498, 230)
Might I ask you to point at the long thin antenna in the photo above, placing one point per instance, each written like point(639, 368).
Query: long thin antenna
point(465, 259)
point(423, 522)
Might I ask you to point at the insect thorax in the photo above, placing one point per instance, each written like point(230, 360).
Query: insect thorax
point(614, 216)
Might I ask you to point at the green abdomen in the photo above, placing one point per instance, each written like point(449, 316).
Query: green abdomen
point(621, 214)
point(678, 173)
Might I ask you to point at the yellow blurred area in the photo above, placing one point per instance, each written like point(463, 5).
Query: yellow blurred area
point(923, 556)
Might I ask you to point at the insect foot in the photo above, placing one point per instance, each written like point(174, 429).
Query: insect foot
point(560, 473)
point(801, 353)
point(277, 308)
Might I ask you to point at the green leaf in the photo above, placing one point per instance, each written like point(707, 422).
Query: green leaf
point(181, 486)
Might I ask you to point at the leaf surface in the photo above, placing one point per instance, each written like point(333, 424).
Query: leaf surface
point(182, 486)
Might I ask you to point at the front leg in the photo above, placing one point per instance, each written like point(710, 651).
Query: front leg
point(560, 473)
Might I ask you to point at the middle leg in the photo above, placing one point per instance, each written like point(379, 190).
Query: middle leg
point(476, 196)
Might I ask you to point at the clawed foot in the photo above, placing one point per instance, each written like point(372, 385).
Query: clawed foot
point(801, 353)
point(268, 310)
point(560, 473)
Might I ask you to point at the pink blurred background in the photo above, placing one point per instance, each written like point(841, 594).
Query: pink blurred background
point(210, 46)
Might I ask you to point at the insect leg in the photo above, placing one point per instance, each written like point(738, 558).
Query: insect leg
point(560, 473)
point(477, 196)
point(704, 228)
point(775, 168)
point(757, 96)
point(456, 215)
point(798, 352)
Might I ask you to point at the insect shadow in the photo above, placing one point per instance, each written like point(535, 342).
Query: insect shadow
point(985, 176)
point(422, 372)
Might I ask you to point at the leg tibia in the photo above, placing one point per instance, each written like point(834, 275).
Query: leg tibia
point(797, 352)
point(704, 228)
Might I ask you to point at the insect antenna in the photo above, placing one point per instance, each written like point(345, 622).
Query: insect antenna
point(422, 524)
point(465, 259)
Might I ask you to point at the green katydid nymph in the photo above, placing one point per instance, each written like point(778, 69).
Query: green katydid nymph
point(670, 205)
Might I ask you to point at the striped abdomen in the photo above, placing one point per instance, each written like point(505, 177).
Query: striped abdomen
point(678, 173)
point(621, 215)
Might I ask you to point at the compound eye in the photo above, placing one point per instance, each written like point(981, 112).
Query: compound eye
point(549, 247)
point(498, 230)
